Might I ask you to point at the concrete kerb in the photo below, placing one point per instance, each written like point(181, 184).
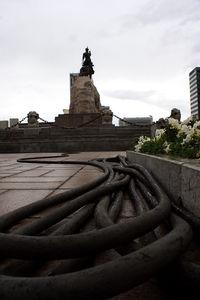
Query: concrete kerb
point(180, 179)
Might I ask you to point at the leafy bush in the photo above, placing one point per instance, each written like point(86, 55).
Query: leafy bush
point(177, 139)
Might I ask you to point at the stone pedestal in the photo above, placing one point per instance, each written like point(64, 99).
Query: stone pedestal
point(84, 97)
point(85, 106)
point(77, 120)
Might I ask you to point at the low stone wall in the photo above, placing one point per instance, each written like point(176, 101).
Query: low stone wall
point(179, 178)
point(56, 139)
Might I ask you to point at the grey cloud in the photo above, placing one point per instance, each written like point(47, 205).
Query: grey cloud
point(101, 33)
point(150, 97)
point(129, 94)
point(73, 38)
point(154, 12)
point(31, 88)
point(42, 42)
point(42, 33)
point(196, 47)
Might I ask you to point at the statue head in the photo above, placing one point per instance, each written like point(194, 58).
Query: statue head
point(33, 117)
point(107, 115)
point(161, 123)
point(176, 114)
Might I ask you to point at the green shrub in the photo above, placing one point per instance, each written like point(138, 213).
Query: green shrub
point(177, 139)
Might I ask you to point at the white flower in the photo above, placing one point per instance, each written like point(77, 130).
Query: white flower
point(185, 134)
point(197, 132)
point(185, 128)
point(165, 144)
point(159, 133)
point(137, 148)
point(141, 141)
point(187, 121)
point(167, 149)
point(187, 139)
point(174, 123)
point(196, 124)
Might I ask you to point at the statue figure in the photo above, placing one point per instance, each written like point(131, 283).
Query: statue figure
point(87, 65)
point(107, 115)
point(33, 117)
point(176, 114)
point(161, 123)
point(86, 60)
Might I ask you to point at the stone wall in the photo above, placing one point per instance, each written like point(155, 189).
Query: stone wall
point(69, 140)
point(76, 120)
point(180, 179)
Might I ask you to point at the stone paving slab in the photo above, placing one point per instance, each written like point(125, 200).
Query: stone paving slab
point(13, 199)
point(59, 191)
point(72, 183)
point(23, 183)
point(61, 172)
point(34, 172)
point(33, 179)
point(2, 191)
point(3, 175)
point(29, 185)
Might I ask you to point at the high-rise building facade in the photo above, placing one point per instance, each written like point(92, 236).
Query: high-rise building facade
point(194, 78)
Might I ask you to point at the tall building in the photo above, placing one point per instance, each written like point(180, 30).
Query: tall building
point(194, 77)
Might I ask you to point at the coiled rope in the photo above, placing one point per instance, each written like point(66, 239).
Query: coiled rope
point(54, 257)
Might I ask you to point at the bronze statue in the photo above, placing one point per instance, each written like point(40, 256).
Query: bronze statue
point(87, 65)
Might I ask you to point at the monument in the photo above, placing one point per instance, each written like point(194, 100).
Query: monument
point(85, 105)
point(86, 125)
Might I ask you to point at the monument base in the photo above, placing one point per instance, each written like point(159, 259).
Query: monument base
point(79, 120)
point(58, 139)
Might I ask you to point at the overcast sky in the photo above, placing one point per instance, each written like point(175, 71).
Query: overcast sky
point(142, 50)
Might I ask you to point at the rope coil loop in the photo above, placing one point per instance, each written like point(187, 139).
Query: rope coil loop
point(54, 257)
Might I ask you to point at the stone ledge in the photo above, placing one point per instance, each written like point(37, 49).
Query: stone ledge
point(69, 140)
point(74, 120)
point(179, 178)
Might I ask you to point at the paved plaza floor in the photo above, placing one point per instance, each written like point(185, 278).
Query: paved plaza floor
point(23, 183)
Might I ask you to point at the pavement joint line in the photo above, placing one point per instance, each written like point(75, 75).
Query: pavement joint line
point(29, 189)
point(40, 181)
point(45, 173)
point(11, 168)
point(58, 187)
point(3, 192)
point(20, 172)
